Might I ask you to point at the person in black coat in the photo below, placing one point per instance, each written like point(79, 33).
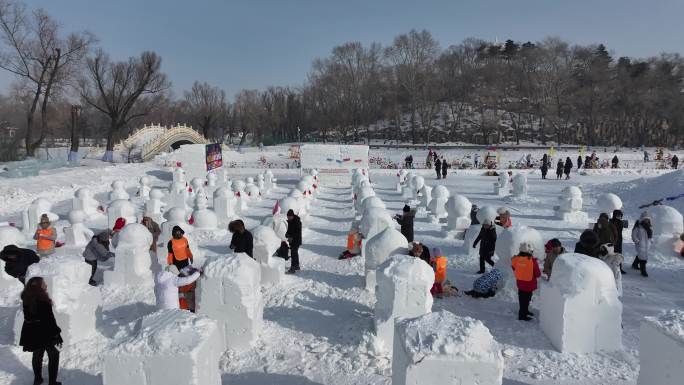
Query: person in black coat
point(675, 161)
point(438, 168)
point(17, 261)
point(616, 220)
point(559, 169)
point(405, 220)
point(615, 162)
point(445, 168)
point(567, 167)
point(242, 240)
point(294, 239)
point(544, 166)
point(40, 333)
point(420, 251)
point(588, 244)
point(579, 162)
point(487, 240)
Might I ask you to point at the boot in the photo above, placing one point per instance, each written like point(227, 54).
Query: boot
point(642, 267)
point(635, 264)
point(621, 270)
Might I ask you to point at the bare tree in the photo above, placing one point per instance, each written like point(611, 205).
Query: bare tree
point(205, 105)
point(123, 91)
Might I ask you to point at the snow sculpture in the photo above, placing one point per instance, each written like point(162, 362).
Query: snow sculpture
point(203, 218)
point(31, 216)
point(442, 348)
point(196, 186)
point(174, 217)
point(437, 205)
point(83, 200)
point(608, 202)
point(154, 207)
point(225, 205)
point(579, 308)
point(238, 187)
point(520, 185)
point(167, 347)
point(269, 181)
point(508, 246)
point(425, 196)
point(290, 203)
point(373, 222)
point(409, 186)
point(458, 220)
point(503, 186)
point(78, 234)
point(179, 176)
point(383, 245)
point(278, 223)
point(118, 191)
point(211, 180)
point(9, 235)
point(253, 192)
point(75, 303)
point(361, 196)
point(418, 184)
point(120, 208)
point(301, 203)
point(266, 242)
point(313, 186)
point(661, 348)
point(230, 292)
point(178, 196)
point(667, 226)
point(144, 188)
point(260, 184)
point(303, 188)
point(402, 179)
point(570, 206)
point(132, 257)
point(403, 291)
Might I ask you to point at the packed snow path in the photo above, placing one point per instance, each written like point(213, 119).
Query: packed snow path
point(317, 323)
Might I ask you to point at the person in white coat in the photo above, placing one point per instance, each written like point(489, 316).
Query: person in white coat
point(642, 235)
point(166, 284)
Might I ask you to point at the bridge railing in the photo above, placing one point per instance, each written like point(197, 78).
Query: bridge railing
point(174, 134)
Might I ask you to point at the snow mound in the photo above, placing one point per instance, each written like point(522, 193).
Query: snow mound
point(486, 212)
point(670, 322)
point(133, 236)
point(574, 273)
point(608, 202)
point(379, 248)
point(637, 192)
point(10, 235)
point(661, 348)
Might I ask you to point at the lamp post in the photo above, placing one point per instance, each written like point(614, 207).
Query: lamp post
point(75, 114)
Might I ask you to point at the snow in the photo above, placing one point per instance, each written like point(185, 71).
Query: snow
point(229, 292)
point(403, 291)
point(168, 347)
point(118, 191)
point(458, 215)
point(379, 248)
point(579, 307)
point(154, 207)
point(570, 206)
point(608, 202)
point(519, 185)
point(9, 235)
point(120, 208)
point(668, 225)
point(78, 234)
point(132, 262)
point(225, 205)
point(266, 242)
point(84, 201)
point(204, 219)
point(661, 349)
point(442, 348)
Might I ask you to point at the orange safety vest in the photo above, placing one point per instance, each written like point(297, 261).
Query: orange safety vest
point(352, 241)
point(440, 268)
point(178, 250)
point(185, 292)
point(45, 244)
point(523, 267)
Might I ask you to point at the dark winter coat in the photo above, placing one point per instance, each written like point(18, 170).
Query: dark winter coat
point(606, 232)
point(406, 223)
point(588, 244)
point(40, 329)
point(615, 161)
point(544, 165)
point(438, 165)
point(568, 166)
point(425, 255)
point(294, 231)
point(445, 167)
point(579, 162)
point(96, 251)
point(242, 243)
point(619, 227)
point(675, 161)
point(17, 264)
point(487, 240)
point(559, 168)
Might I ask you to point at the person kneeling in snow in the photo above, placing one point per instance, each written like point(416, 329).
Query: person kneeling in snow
point(439, 264)
point(353, 244)
point(614, 260)
point(167, 283)
point(17, 261)
point(526, 270)
point(179, 249)
point(97, 250)
point(486, 285)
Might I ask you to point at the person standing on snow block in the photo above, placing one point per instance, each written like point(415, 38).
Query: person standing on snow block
point(445, 168)
point(179, 253)
point(17, 261)
point(242, 240)
point(45, 237)
point(166, 286)
point(405, 220)
point(588, 243)
point(642, 235)
point(526, 270)
point(567, 167)
point(439, 265)
point(294, 239)
point(40, 333)
point(544, 166)
point(559, 169)
point(97, 250)
point(438, 168)
point(487, 240)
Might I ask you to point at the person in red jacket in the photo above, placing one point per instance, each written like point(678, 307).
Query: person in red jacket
point(526, 270)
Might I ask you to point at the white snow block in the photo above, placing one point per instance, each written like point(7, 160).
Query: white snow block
point(9, 235)
point(519, 186)
point(661, 349)
point(154, 207)
point(204, 219)
point(579, 307)
point(458, 215)
point(121, 208)
point(570, 206)
point(85, 201)
point(442, 348)
point(437, 205)
point(31, 216)
point(508, 245)
point(75, 303)
point(667, 226)
point(379, 248)
point(425, 196)
point(608, 202)
point(266, 242)
point(403, 291)
point(503, 187)
point(225, 205)
point(168, 347)
point(229, 291)
point(77, 234)
point(132, 262)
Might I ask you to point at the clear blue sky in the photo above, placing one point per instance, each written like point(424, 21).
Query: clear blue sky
point(253, 44)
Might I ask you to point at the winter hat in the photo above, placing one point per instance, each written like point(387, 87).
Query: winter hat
point(177, 228)
point(588, 238)
point(644, 215)
point(548, 247)
point(437, 252)
point(406, 208)
point(617, 213)
point(119, 224)
point(555, 242)
point(290, 213)
point(172, 269)
point(526, 247)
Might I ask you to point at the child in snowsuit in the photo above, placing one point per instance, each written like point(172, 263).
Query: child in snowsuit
point(487, 241)
point(553, 249)
point(526, 270)
point(486, 285)
point(439, 265)
point(353, 244)
point(179, 253)
point(45, 237)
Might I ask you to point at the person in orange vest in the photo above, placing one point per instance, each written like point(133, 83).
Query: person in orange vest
point(46, 235)
point(353, 244)
point(526, 270)
point(179, 249)
point(439, 265)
